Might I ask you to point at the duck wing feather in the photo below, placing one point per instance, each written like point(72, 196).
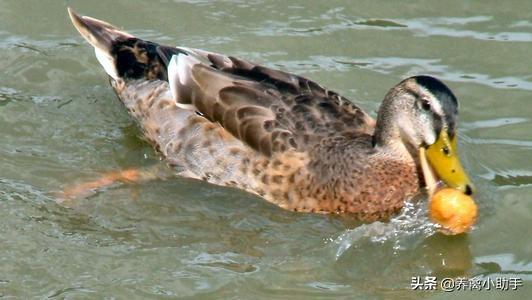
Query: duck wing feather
point(269, 110)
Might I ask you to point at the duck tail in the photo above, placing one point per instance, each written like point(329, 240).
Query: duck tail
point(121, 54)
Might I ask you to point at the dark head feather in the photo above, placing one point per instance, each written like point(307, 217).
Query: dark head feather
point(446, 97)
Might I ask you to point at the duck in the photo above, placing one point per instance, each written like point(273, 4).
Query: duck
point(281, 136)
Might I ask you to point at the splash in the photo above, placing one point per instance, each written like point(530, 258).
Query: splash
point(411, 221)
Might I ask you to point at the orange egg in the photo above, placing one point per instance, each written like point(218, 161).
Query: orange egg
point(453, 210)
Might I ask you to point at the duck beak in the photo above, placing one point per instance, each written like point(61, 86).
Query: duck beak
point(442, 156)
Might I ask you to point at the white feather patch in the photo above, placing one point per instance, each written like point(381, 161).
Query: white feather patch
point(178, 74)
point(107, 62)
point(173, 76)
point(185, 106)
point(184, 63)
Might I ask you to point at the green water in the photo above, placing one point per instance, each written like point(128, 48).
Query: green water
point(61, 124)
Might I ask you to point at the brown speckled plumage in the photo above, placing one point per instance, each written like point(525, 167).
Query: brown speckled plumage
point(281, 136)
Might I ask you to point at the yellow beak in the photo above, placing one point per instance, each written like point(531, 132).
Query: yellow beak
point(443, 158)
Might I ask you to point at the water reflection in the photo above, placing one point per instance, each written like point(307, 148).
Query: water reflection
point(447, 256)
point(436, 255)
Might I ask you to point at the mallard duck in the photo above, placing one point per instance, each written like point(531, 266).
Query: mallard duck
point(281, 136)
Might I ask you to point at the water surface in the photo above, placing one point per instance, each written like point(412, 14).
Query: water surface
point(60, 123)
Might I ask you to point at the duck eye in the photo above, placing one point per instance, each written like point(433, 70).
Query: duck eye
point(425, 104)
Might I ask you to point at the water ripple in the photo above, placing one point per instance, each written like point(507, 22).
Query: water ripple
point(443, 27)
point(510, 142)
point(405, 65)
point(509, 178)
point(492, 123)
point(412, 221)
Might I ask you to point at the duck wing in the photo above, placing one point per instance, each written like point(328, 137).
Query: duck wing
point(269, 110)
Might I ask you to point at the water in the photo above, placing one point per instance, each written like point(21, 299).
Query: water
point(60, 123)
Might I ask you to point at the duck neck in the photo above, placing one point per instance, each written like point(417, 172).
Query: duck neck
point(386, 130)
point(389, 134)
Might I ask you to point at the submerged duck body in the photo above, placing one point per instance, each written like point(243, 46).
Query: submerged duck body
point(281, 136)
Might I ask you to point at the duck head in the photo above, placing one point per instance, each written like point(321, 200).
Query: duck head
point(419, 116)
